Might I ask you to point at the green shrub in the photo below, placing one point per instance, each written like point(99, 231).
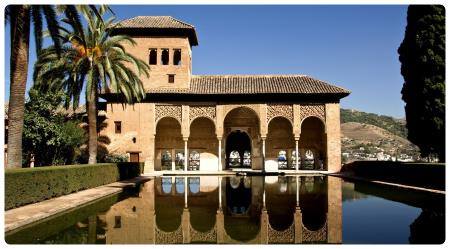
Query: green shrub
point(30, 185)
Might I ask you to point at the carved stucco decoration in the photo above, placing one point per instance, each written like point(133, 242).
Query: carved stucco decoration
point(316, 110)
point(208, 236)
point(281, 237)
point(162, 111)
point(229, 108)
point(202, 111)
point(175, 237)
point(279, 110)
point(315, 236)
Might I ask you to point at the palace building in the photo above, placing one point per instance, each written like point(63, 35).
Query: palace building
point(219, 122)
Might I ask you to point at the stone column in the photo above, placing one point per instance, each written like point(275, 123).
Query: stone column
point(185, 192)
point(174, 154)
point(149, 164)
point(220, 227)
point(297, 192)
point(186, 154)
point(220, 192)
point(334, 215)
point(298, 225)
point(296, 153)
point(219, 154)
point(264, 226)
point(333, 137)
point(264, 153)
point(185, 220)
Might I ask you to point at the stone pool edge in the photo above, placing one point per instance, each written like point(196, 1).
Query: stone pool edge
point(357, 178)
point(19, 217)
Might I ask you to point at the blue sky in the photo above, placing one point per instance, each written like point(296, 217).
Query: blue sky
point(354, 47)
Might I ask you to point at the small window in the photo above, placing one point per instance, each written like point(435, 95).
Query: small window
point(118, 127)
point(171, 78)
point(134, 157)
point(282, 159)
point(177, 57)
point(152, 56)
point(166, 160)
point(194, 161)
point(117, 222)
point(165, 57)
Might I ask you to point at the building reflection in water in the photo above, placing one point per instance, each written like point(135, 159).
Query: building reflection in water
point(212, 209)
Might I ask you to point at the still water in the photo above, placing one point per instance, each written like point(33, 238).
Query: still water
point(255, 210)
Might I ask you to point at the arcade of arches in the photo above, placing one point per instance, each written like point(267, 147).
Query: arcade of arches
point(229, 210)
point(215, 137)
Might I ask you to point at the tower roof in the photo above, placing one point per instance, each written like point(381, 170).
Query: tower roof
point(157, 25)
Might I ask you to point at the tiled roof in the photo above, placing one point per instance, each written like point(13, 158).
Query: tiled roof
point(154, 22)
point(162, 25)
point(255, 84)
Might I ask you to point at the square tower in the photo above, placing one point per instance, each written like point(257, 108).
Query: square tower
point(165, 44)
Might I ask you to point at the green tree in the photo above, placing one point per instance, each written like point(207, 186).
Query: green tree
point(20, 18)
point(94, 59)
point(422, 55)
point(48, 136)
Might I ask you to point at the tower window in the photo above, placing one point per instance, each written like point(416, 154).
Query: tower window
point(118, 127)
point(165, 57)
point(152, 58)
point(171, 78)
point(177, 57)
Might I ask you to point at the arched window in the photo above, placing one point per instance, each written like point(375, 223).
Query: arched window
point(247, 160)
point(179, 160)
point(235, 159)
point(177, 57)
point(309, 160)
point(165, 57)
point(294, 158)
point(235, 181)
point(166, 160)
point(282, 159)
point(194, 185)
point(194, 160)
point(152, 57)
point(282, 182)
point(166, 185)
point(179, 185)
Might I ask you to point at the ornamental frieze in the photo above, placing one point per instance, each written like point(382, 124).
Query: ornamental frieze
point(202, 111)
point(281, 237)
point(175, 237)
point(316, 110)
point(162, 111)
point(315, 236)
point(279, 110)
point(208, 236)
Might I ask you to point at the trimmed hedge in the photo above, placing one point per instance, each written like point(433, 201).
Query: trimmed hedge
point(29, 185)
point(426, 175)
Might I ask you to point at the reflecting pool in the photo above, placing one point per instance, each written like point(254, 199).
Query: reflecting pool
point(254, 210)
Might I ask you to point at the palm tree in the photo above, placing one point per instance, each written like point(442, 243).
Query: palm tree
point(20, 18)
point(94, 59)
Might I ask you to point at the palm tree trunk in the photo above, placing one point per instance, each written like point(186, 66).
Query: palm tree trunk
point(92, 124)
point(20, 33)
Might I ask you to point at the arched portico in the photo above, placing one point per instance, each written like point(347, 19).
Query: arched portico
point(202, 145)
point(169, 154)
point(313, 144)
point(242, 137)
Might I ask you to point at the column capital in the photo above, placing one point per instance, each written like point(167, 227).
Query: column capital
point(263, 137)
point(185, 139)
point(219, 138)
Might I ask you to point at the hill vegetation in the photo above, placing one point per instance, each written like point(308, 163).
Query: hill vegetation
point(394, 126)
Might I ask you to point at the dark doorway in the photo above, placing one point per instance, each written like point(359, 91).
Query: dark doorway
point(238, 150)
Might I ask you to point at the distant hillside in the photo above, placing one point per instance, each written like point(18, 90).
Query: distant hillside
point(394, 126)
